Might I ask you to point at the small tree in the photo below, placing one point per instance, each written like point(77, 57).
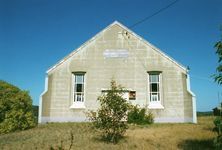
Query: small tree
point(110, 118)
point(218, 76)
point(218, 79)
point(15, 109)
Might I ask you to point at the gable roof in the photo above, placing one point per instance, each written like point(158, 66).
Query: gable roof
point(129, 31)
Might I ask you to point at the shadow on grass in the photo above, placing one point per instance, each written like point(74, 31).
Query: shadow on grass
point(107, 141)
point(206, 144)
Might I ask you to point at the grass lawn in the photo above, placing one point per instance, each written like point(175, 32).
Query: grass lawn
point(156, 136)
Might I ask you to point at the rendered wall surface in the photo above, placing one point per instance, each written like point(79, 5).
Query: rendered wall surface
point(130, 72)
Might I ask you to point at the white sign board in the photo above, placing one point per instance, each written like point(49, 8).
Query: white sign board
point(115, 53)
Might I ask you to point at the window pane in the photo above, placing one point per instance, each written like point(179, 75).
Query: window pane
point(79, 97)
point(154, 87)
point(154, 78)
point(158, 97)
point(79, 78)
point(154, 97)
point(79, 88)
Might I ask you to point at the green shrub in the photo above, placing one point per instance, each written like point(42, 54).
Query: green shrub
point(218, 124)
point(149, 118)
point(218, 128)
point(110, 118)
point(15, 109)
point(218, 142)
point(138, 115)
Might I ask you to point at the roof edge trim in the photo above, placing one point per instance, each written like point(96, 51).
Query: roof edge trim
point(125, 28)
point(152, 46)
point(80, 47)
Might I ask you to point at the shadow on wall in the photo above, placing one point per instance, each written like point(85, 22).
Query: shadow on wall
point(205, 144)
point(35, 110)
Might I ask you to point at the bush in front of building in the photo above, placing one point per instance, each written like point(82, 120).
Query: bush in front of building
point(111, 117)
point(15, 109)
point(139, 116)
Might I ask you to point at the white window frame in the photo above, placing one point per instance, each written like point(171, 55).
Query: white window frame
point(75, 103)
point(125, 93)
point(158, 95)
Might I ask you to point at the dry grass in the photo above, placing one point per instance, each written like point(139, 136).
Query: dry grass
point(156, 136)
point(175, 136)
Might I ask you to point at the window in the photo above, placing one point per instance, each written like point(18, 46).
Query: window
point(132, 95)
point(155, 89)
point(78, 90)
point(79, 87)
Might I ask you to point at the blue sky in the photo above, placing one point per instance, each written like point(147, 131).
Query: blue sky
point(35, 34)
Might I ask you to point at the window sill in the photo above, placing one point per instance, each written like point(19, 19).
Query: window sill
point(77, 106)
point(155, 106)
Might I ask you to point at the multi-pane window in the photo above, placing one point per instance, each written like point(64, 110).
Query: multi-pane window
point(79, 87)
point(154, 86)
